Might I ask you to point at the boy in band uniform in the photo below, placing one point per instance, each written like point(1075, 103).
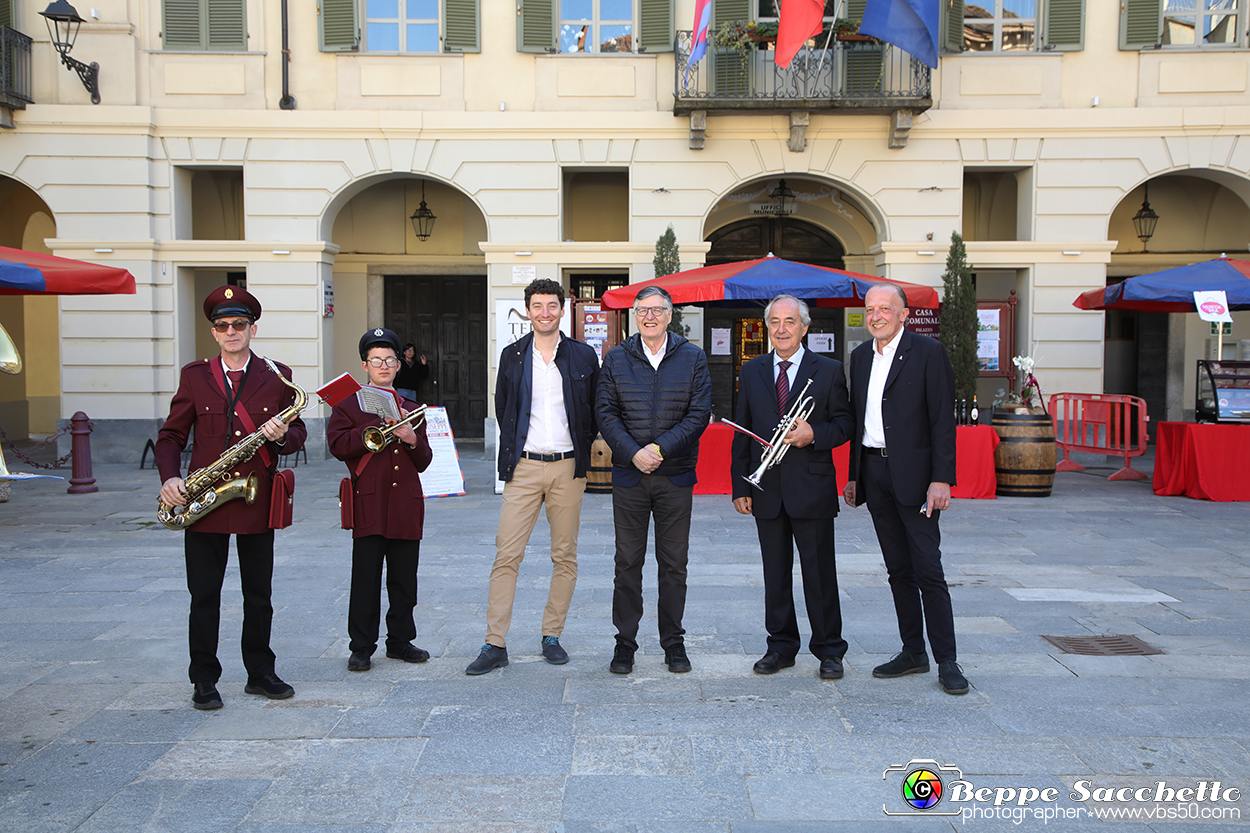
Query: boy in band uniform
point(388, 511)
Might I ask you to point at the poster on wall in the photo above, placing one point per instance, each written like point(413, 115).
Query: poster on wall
point(988, 338)
point(444, 477)
point(720, 341)
point(820, 342)
point(595, 328)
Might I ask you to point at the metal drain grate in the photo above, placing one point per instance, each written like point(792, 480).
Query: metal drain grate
point(1102, 646)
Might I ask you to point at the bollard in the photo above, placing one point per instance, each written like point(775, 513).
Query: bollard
point(81, 481)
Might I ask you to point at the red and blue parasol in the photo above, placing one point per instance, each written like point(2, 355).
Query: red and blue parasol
point(1172, 290)
point(755, 282)
point(29, 273)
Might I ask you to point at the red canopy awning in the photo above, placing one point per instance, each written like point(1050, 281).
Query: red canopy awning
point(29, 273)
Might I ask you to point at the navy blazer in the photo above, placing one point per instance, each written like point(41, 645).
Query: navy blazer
point(918, 411)
point(805, 481)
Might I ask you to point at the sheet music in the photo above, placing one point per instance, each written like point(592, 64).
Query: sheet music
point(378, 401)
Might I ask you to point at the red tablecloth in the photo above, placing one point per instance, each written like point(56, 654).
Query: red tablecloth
point(1208, 462)
point(974, 461)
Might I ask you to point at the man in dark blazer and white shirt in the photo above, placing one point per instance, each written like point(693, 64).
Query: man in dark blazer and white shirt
point(797, 499)
point(903, 465)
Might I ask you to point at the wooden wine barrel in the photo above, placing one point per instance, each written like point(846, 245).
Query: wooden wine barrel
point(599, 475)
point(1024, 461)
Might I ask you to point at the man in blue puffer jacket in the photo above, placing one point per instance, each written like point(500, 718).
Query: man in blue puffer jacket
point(654, 401)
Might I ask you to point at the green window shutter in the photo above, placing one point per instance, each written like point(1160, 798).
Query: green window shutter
point(1064, 29)
point(6, 13)
point(536, 26)
point(461, 26)
point(723, 11)
point(182, 27)
point(227, 24)
point(655, 26)
point(855, 9)
point(953, 26)
point(1141, 23)
point(337, 25)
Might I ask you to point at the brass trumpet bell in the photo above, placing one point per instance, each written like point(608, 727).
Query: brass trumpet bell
point(376, 439)
point(10, 359)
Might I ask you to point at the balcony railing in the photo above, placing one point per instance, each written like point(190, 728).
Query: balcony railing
point(865, 77)
point(14, 69)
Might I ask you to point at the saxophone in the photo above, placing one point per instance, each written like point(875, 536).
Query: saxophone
point(212, 486)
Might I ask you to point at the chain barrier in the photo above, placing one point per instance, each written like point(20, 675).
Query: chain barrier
point(56, 465)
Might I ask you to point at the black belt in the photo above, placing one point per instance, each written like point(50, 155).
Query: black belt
point(549, 458)
point(875, 452)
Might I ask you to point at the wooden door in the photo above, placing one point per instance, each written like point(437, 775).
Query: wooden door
point(445, 316)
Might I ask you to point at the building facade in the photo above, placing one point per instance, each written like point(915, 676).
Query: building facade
point(288, 145)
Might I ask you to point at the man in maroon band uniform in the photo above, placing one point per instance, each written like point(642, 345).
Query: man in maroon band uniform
point(388, 511)
point(211, 395)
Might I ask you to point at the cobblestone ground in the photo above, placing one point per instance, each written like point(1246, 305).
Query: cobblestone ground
point(97, 733)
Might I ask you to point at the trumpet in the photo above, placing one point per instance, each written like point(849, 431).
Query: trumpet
point(776, 450)
point(376, 439)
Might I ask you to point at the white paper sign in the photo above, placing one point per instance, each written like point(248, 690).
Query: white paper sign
point(443, 478)
point(720, 341)
point(1212, 306)
point(820, 342)
point(524, 275)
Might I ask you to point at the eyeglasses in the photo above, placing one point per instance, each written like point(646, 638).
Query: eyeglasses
point(650, 312)
point(376, 362)
point(224, 326)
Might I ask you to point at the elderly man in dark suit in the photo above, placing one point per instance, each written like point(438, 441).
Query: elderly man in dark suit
point(219, 398)
point(797, 499)
point(903, 465)
point(388, 509)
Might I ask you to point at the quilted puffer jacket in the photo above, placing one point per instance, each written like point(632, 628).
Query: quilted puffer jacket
point(637, 404)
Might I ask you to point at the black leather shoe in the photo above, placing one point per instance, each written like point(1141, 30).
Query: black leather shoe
point(772, 662)
point(903, 664)
point(490, 658)
point(408, 653)
point(205, 697)
point(952, 678)
point(552, 652)
point(359, 661)
point(831, 668)
point(269, 685)
point(676, 660)
point(622, 660)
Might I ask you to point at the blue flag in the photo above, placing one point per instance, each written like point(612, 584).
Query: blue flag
point(911, 25)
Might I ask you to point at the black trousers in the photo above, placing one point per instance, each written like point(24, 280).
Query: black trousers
point(632, 509)
point(365, 604)
point(814, 538)
point(206, 555)
point(911, 546)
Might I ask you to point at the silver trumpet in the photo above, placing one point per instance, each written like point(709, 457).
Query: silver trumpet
point(376, 439)
point(801, 409)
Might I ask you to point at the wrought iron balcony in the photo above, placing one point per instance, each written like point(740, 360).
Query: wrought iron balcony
point(14, 69)
point(858, 77)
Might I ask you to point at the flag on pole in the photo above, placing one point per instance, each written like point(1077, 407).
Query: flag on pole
point(698, 38)
point(911, 25)
point(798, 21)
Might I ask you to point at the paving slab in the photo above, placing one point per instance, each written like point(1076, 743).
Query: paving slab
point(97, 733)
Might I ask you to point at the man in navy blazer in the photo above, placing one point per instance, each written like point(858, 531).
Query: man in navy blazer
point(797, 499)
point(903, 465)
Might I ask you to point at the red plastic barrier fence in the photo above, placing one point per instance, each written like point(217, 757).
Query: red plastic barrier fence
point(1104, 423)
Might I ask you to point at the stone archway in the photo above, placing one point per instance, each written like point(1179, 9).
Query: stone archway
point(784, 237)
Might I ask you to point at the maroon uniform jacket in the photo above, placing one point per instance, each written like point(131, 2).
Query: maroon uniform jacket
point(388, 500)
point(199, 402)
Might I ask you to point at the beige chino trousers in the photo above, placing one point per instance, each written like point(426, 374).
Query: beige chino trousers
point(533, 484)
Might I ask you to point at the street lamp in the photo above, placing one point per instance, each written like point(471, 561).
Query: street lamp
point(783, 199)
point(423, 218)
point(63, 24)
point(1145, 220)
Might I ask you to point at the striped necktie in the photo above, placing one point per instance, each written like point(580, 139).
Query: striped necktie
point(783, 387)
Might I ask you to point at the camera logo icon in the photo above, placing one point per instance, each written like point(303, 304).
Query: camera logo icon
point(922, 786)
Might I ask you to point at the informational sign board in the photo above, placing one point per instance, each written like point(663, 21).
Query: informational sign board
point(989, 325)
point(924, 321)
point(595, 328)
point(820, 342)
point(524, 275)
point(720, 341)
point(444, 477)
point(327, 299)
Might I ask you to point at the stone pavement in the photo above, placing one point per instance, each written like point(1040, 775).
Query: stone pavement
point(97, 733)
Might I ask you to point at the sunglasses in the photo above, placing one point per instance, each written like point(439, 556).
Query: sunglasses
point(224, 326)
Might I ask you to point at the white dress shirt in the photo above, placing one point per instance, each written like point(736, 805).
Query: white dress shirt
point(655, 358)
point(549, 421)
point(874, 425)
